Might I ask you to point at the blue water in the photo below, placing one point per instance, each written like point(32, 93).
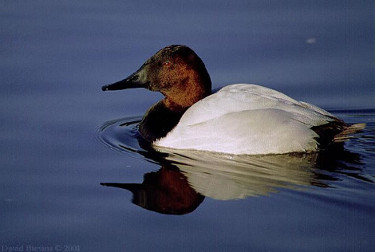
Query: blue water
point(68, 150)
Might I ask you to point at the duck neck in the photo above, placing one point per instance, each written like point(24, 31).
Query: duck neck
point(165, 115)
point(159, 120)
point(178, 106)
point(184, 95)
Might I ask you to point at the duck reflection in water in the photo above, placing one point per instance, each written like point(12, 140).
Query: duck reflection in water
point(166, 191)
point(186, 177)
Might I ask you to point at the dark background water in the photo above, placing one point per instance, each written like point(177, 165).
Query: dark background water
point(55, 56)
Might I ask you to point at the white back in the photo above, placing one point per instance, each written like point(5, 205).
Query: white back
point(247, 119)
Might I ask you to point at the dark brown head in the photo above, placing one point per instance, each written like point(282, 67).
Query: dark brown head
point(176, 71)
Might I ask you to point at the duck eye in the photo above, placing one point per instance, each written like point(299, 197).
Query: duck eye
point(167, 63)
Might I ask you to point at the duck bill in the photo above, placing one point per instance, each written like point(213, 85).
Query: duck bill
point(134, 188)
point(133, 81)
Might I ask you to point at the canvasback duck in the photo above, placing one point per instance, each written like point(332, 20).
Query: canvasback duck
point(238, 119)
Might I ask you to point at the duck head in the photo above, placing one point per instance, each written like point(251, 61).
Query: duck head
point(176, 71)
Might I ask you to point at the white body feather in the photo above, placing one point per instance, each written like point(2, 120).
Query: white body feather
point(247, 119)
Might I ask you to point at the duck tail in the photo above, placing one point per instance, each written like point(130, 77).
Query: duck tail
point(349, 130)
